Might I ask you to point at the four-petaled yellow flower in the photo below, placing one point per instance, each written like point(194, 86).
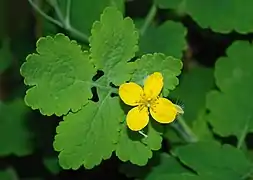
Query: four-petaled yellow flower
point(147, 100)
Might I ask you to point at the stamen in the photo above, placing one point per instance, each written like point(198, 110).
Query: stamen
point(142, 133)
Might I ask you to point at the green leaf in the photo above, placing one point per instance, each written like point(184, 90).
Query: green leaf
point(52, 164)
point(200, 127)
point(90, 135)
point(5, 55)
point(192, 90)
point(15, 137)
point(167, 165)
point(8, 174)
point(84, 13)
point(168, 38)
point(134, 147)
point(221, 16)
point(168, 66)
point(210, 159)
point(113, 43)
point(59, 75)
point(230, 109)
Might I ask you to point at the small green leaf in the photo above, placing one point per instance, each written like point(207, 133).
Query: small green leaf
point(221, 16)
point(230, 107)
point(8, 174)
point(136, 148)
point(52, 164)
point(113, 42)
point(15, 137)
point(168, 66)
point(5, 55)
point(84, 13)
point(205, 158)
point(168, 38)
point(59, 75)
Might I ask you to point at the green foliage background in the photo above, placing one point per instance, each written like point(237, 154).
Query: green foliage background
point(61, 62)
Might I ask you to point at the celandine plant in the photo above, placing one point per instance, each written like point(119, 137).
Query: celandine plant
point(132, 108)
point(61, 77)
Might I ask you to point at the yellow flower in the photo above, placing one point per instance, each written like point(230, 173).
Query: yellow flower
point(147, 101)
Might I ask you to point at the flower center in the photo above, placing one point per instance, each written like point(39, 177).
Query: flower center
point(147, 101)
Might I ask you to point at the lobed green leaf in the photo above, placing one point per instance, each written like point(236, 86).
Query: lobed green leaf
point(168, 66)
point(168, 38)
point(15, 136)
point(59, 75)
point(230, 110)
point(221, 16)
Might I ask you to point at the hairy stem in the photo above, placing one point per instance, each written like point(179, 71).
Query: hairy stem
point(242, 137)
point(185, 131)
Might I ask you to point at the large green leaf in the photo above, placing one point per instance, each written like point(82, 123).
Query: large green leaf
point(211, 160)
point(59, 75)
point(230, 106)
point(85, 12)
point(15, 136)
point(168, 38)
point(221, 16)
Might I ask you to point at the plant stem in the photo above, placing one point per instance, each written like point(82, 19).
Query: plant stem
point(58, 12)
point(149, 19)
point(64, 22)
point(242, 137)
point(67, 18)
point(191, 136)
point(52, 20)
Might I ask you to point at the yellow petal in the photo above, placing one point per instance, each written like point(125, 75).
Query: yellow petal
point(163, 111)
point(130, 93)
point(153, 85)
point(137, 118)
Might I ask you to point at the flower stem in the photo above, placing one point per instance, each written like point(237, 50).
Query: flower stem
point(187, 133)
point(149, 19)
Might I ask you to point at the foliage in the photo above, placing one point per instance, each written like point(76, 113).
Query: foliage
point(61, 116)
